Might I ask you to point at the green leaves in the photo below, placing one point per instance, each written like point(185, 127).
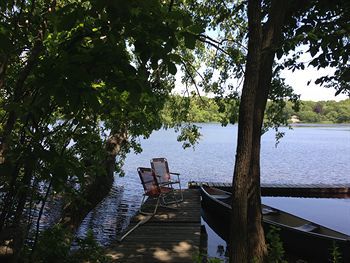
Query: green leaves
point(325, 31)
point(275, 246)
point(190, 40)
point(175, 58)
point(172, 68)
point(196, 28)
point(189, 135)
point(102, 63)
point(5, 40)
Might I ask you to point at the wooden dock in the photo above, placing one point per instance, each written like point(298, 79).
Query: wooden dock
point(293, 190)
point(170, 236)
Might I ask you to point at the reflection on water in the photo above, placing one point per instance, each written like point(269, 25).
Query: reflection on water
point(112, 215)
point(217, 246)
point(221, 251)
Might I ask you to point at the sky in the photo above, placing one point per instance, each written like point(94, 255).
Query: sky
point(298, 80)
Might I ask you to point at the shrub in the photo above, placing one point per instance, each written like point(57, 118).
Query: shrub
point(335, 254)
point(275, 246)
point(54, 245)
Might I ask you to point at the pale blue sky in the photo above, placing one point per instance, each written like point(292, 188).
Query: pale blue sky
point(298, 80)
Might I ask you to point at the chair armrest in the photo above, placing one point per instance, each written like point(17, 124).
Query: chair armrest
point(169, 183)
point(176, 179)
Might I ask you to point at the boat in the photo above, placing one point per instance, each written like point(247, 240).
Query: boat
point(300, 237)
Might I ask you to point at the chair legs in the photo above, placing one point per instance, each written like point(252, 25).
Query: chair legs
point(175, 197)
point(149, 213)
point(166, 203)
point(161, 202)
point(181, 193)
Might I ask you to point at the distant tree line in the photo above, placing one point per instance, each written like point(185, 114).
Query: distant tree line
point(321, 111)
point(200, 109)
point(204, 109)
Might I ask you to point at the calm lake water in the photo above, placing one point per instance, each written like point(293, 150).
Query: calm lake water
point(305, 155)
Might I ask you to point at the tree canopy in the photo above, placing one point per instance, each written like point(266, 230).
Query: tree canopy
point(79, 81)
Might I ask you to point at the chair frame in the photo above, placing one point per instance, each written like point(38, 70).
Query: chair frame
point(157, 191)
point(166, 179)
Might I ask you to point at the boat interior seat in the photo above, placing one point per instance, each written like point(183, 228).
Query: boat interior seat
point(223, 196)
point(308, 227)
point(269, 211)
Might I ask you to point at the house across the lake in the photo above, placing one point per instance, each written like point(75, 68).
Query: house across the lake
point(294, 119)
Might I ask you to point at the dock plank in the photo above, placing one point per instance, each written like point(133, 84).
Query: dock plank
point(172, 235)
point(296, 190)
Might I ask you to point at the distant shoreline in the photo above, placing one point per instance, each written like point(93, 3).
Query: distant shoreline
point(311, 124)
point(299, 124)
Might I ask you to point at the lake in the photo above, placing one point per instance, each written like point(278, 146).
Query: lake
point(305, 155)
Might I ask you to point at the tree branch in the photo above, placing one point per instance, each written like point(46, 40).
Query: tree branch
point(171, 5)
point(192, 79)
point(214, 45)
point(223, 40)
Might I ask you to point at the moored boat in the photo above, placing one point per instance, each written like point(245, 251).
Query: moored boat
point(300, 237)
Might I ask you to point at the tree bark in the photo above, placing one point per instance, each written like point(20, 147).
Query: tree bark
point(247, 234)
point(75, 212)
point(271, 41)
point(3, 66)
point(239, 220)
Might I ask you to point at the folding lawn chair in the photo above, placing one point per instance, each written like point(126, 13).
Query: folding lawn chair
point(152, 189)
point(164, 176)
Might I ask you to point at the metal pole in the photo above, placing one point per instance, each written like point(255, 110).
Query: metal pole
point(136, 226)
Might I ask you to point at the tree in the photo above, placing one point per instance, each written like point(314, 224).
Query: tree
point(79, 81)
point(246, 190)
point(246, 183)
point(275, 28)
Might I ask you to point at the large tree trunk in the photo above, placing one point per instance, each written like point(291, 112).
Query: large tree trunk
point(74, 212)
point(3, 66)
point(270, 43)
point(247, 235)
point(239, 221)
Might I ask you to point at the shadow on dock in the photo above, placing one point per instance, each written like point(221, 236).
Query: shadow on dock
point(172, 235)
